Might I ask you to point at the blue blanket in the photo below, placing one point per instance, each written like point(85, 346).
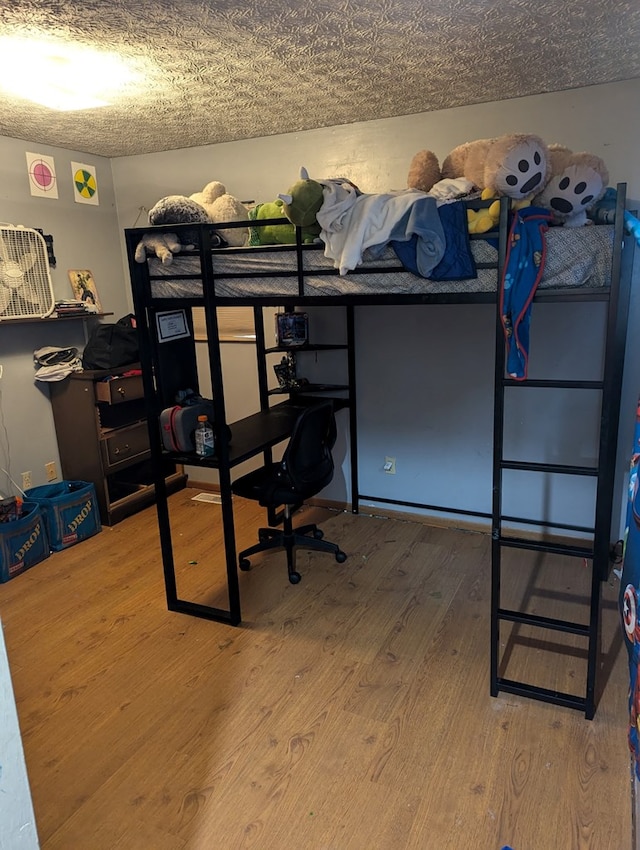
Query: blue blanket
point(457, 262)
point(524, 265)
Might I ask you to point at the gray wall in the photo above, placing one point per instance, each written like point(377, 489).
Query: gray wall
point(85, 236)
point(434, 365)
point(430, 365)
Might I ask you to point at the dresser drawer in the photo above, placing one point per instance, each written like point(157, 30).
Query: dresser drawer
point(123, 444)
point(117, 390)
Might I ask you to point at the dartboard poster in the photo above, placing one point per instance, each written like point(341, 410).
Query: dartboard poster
point(85, 183)
point(41, 169)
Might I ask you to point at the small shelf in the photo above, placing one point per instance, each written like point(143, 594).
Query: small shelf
point(308, 388)
point(294, 349)
point(51, 319)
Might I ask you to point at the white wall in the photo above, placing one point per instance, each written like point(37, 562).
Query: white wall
point(18, 827)
point(434, 365)
point(85, 236)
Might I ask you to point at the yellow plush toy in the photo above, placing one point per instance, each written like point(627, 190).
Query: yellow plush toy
point(487, 218)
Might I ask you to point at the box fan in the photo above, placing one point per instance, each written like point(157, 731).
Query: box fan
point(26, 291)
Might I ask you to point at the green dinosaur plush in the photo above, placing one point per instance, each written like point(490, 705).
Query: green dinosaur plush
point(270, 234)
point(301, 204)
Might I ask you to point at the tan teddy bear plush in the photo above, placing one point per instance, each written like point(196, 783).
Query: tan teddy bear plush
point(516, 165)
point(424, 171)
point(578, 181)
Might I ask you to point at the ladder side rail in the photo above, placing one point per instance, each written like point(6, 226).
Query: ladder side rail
point(498, 442)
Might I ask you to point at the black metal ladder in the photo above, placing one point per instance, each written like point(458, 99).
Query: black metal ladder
point(597, 549)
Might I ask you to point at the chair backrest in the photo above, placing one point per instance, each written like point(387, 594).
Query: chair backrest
point(307, 459)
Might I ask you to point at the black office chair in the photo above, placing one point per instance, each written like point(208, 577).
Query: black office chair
point(306, 467)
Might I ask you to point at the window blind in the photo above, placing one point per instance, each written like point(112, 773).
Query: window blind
point(235, 324)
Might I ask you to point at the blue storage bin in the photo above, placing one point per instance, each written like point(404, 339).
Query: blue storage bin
point(23, 542)
point(70, 511)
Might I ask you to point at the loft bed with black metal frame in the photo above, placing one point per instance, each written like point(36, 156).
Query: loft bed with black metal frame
point(582, 264)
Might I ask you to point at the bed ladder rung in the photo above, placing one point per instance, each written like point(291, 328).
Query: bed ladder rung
point(539, 622)
point(544, 694)
point(558, 468)
point(553, 384)
point(552, 547)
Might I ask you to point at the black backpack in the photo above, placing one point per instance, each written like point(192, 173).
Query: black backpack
point(112, 344)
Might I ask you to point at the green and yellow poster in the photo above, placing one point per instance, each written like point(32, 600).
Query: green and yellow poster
point(85, 184)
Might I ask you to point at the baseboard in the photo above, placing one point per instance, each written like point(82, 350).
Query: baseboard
point(433, 521)
point(205, 486)
point(453, 523)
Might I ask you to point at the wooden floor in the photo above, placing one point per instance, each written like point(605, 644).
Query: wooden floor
point(349, 712)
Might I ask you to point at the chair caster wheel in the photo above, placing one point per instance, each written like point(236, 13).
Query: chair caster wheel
point(341, 557)
point(294, 578)
point(244, 565)
point(318, 534)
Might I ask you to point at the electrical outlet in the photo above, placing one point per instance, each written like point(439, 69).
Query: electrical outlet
point(26, 480)
point(50, 469)
point(390, 465)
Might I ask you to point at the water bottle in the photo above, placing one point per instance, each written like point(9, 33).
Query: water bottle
point(204, 438)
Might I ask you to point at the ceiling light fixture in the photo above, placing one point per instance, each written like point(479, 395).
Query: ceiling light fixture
point(62, 75)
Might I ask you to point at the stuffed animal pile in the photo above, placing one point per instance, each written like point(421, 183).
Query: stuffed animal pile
point(521, 167)
point(210, 206)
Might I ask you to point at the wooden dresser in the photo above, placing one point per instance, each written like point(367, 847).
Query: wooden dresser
point(101, 427)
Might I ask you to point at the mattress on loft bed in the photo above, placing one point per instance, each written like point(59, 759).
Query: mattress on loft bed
point(575, 258)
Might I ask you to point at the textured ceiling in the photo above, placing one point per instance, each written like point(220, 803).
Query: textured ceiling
point(221, 71)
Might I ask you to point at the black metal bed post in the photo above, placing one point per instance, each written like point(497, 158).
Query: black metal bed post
point(220, 426)
point(616, 336)
point(141, 292)
point(498, 442)
point(353, 412)
point(263, 391)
